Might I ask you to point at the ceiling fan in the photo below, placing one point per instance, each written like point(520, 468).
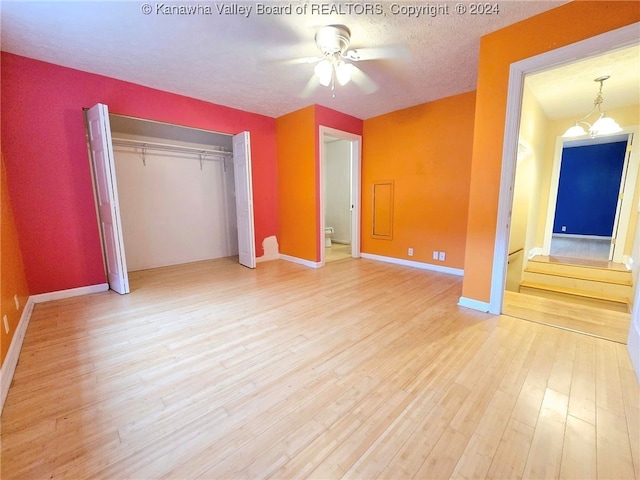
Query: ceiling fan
point(336, 62)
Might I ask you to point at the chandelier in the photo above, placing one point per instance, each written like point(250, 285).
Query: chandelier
point(602, 126)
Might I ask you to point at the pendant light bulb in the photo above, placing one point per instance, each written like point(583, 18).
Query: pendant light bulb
point(575, 131)
point(605, 126)
point(324, 72)
point(343, 72)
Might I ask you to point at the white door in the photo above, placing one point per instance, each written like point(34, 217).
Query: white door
point(244, 199)
point(107, 197)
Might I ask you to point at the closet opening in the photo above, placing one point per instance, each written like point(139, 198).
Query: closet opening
point(168, 194)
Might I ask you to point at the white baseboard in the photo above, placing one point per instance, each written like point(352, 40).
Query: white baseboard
point(580, 236)
point(11, 360)
point(474, 304)
point(410, 263)
point(534, 252)
point(72, 292)
point(300, 261)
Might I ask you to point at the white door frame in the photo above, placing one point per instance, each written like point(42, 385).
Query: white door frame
point(620, 38)
point(623, 210)
point(356, 169)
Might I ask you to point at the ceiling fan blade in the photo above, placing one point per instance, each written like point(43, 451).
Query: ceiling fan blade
point(362, 80)
point(299, 61)
point(397, 52)
point(310, 87)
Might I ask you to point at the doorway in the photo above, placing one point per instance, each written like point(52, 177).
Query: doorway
point(340, 164)
point(618, 39)
point(563, 291)
point(592, 188)
point(570, 288)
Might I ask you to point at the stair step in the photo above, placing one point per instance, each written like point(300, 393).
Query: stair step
point(603, 300)
point(618, 276)
point(593, 286)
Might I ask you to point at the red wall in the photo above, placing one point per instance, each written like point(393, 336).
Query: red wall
point(46, 159)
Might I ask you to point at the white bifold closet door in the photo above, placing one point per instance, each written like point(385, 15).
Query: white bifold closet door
point(244, 199)
point(109, 209)
point(107, 197)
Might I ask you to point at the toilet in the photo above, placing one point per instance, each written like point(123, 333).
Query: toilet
point(328, 231)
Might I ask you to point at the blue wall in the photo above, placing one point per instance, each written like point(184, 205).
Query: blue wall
point(588, 189)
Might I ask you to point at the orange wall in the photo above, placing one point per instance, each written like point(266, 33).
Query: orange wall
point(556, 28)
point(297, 184)
point(426, 151)
point(12, 275)
point(298, 176)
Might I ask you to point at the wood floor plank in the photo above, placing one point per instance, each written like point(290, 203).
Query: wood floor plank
point(545, 454)
point(357, 370)
point(511, 455)
point(631, 397)
point(579, 450)
point(614, 457)
point(582, 398)
point(608, 384)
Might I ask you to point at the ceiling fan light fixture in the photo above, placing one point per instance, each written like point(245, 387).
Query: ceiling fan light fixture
point(335, 67)
point(324, 72)
point(343, 72)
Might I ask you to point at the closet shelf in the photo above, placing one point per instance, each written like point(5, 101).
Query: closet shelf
point(166, 147)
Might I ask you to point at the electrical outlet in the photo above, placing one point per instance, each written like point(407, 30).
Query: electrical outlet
point(410, 252)
point(441, 256)
point(435, 255)
point(564, 228)
point(15, 299)
point(6, 324)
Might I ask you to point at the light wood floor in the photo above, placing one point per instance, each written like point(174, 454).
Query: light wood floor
point(337, 251)
point(356, 370)
point(586, 319)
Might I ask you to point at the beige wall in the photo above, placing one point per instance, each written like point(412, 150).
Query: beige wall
point(528, 183)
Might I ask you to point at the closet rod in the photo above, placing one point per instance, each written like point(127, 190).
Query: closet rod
point(168, 147)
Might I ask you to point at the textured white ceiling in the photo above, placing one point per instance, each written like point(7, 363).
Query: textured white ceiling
point(236, 60)
point(569, 90)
